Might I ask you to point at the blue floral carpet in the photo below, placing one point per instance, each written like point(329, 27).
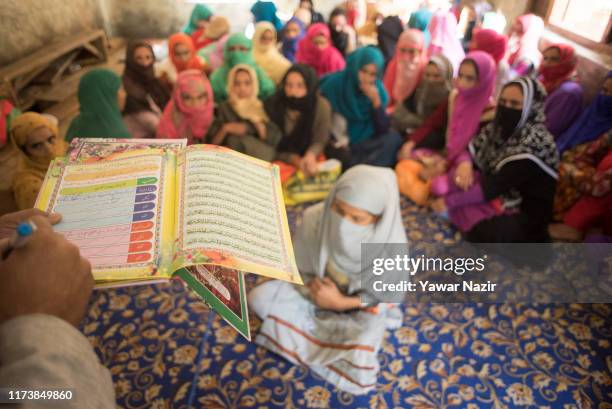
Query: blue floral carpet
point(165, 349)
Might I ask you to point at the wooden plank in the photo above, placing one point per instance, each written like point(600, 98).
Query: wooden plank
point(94, 51)
point(47, 54)
point(60, 71)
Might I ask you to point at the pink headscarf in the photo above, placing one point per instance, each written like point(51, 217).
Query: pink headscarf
point(181, 121)
point(324, 60)
point(444, 38)
point(402, 76)
point(491, 42)
point(525, 45)
point(469, 105)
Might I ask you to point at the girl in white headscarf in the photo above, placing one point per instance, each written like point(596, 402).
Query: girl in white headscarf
point(334, 324)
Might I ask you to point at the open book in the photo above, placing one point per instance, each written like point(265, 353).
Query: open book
point(205, 213)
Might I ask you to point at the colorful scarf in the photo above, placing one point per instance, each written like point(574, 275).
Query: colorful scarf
point(218, 79)
point(266, 11)
point(249, 108)
point(30, 170)
point(491, 42)
point(194, 62)
point(199, 12)
point(524, 45)
point(530, 139)
point(289, 45)
point(554, 75)
point(181, 121)
point(267, 56)
point(99, 115)
point(402, 76)
point(420, 20)
point(343, 93)
point(324, 61)
point(444, 38)
point(469, 105)
point(592, 123)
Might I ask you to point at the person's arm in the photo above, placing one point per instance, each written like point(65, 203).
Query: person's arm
point(511, 175)
point(561, 109)
point(45, 287)
point(321, 128)
point(381, 121)
point(435, 121)
point(39, 351)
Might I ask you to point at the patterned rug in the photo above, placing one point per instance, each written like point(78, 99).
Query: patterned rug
point(165, 349)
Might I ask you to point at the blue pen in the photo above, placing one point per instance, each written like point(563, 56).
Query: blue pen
point(22, 233)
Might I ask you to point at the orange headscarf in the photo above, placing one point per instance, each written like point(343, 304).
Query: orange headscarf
point(194, 62)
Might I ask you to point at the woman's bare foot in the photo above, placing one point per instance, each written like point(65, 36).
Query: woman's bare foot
point(560, 231)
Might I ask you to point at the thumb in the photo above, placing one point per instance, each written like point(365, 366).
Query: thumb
point(4, 245)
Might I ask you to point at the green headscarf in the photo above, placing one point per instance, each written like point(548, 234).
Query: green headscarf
point(200, 12)
point(218, 79)
point(99, 115)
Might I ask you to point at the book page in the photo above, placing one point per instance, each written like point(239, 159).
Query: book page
point(223, 290)
point(231, 213)
point(89, 150)
point(119, 213)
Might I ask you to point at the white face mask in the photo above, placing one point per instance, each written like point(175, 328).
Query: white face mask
point(345, 238)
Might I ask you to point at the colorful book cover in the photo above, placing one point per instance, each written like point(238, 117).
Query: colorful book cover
point(205, 213)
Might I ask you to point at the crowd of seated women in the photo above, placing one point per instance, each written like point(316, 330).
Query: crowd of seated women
point(486, 129)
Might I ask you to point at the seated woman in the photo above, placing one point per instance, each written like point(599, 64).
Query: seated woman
point(182, 56)
point(422, 116)
point(513, 159)
point(315, 16)
point(496, 45)
point(303, 116)
point(324, 324)
point(36, 140)
point(468, 106)
point(200, 16)
point(564, 101)
point(241, 122)
point(291, 35)
point(146, 95)
point(317, 51)
point(343, 36)
point(212, 54)
point(266, 11)
point(406, 68)
point(594, 120)
point(420, 20)
point(197, 27)
point(238, 50)
point(444, 40)
point(358, 97)
point(266, 54)
point(385, 36)
point(584, 193)
point(523, 45)
point(101, 100)
point(189, 113)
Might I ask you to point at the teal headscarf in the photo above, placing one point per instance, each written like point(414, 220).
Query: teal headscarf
point(199, 12)
point(266, 11)
point(218, 78)
point(420, 20)
point(342, 91)
point(99, 115)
